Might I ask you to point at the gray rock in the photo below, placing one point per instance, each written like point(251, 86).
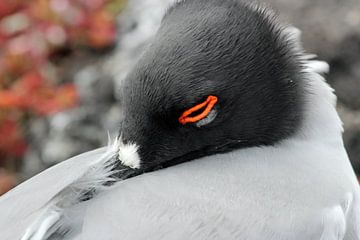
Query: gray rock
point(32, 163)
point(94, 86)
point(351, 121)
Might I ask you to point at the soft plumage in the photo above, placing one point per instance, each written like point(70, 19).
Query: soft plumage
point(261, 179)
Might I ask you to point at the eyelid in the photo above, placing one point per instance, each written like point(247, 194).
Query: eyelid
point(209, 103)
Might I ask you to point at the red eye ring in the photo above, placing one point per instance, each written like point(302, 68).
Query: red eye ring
point(209, 103)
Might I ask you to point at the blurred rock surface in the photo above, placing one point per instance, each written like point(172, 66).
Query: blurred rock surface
point(330, 28)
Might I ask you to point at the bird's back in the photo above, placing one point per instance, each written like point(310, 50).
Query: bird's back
point(248, 194)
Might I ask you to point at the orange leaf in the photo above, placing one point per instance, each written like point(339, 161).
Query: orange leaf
point(54, 100)
point(67, 96)
point(29, 83)
point(102, 29)
point(10, 100)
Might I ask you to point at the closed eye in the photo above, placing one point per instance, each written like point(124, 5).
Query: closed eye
point(204, 113)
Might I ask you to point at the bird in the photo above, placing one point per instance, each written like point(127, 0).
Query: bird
point(230, 131)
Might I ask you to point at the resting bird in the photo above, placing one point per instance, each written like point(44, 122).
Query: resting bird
point(229, 132)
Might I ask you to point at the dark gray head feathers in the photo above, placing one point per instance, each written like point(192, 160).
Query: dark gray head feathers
point(230, 49)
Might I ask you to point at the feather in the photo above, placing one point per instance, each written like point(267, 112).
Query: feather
point(39, 205)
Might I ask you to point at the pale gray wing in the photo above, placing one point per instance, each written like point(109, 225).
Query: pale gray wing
point(21, 207)
point(248, 194)
point(353, 220)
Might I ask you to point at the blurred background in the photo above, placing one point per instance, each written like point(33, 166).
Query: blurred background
point(62, 63)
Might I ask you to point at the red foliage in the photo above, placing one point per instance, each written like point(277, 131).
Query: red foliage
point(101, 30)
point(8, 6)
point(12, 141)
point(30, 32)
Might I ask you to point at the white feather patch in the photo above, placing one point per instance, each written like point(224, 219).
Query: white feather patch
point(128, 154)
